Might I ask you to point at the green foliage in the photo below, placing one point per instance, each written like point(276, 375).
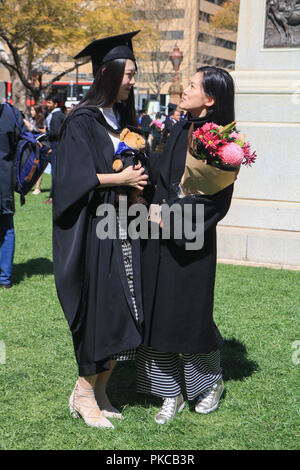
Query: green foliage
point(227, 18)
point(32, 29)
point(256, 309)
point(61, 23)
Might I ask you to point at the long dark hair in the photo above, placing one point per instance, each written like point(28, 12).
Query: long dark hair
point(219, 84)
point(39, 116)
point(104, 91)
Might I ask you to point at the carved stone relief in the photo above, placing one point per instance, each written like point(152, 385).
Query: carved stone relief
point(282, 23)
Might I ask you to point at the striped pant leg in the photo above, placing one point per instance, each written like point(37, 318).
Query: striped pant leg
point(158, 373)
point(128, 263)
point(201, 371)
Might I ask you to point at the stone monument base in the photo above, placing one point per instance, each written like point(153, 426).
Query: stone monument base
point(263, 224)
point(248, 234)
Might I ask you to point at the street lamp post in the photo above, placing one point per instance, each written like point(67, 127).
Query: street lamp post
point(76, 86)
point(175, 90)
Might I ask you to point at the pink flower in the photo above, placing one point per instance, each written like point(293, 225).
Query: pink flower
point(157, 123)
point(249, 157)
point(234, 135)
point(211, 141)
point(199, 133)
point(209, 126)
point(231, 153)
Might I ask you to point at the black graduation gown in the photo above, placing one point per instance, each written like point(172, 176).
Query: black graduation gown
point(89, 273)
point(178, 285)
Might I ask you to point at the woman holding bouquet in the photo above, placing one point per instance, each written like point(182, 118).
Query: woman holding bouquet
point(97, 279)
point(178, 284)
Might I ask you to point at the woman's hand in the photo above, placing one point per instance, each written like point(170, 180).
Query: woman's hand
point(28, 125)
point(131, 176)
point(134, 177)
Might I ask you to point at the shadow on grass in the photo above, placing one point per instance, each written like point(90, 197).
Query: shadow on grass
point(43, 190)
point(31, 268)
point(234, 361)
point(122, 386)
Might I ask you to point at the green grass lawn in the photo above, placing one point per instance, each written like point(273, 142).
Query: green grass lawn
point(256, 309)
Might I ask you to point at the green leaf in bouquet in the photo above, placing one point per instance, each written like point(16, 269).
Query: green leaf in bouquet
point(239, 142)
point(229, 127)
point(198, 155)
point(217, 132)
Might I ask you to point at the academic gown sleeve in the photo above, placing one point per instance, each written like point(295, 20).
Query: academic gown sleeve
point(75, 173)
point(215, 208)
point(75, 177)
point(55, 125)
point(154, 162)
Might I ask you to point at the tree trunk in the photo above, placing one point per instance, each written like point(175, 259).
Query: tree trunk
point(36, 95)
point(18, 92)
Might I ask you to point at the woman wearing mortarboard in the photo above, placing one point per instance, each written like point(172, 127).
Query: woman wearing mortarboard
point(97, 280)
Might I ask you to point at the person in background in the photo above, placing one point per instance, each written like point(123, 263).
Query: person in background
point(8, 144)
point(156, 130)
point(145, 121)
point(54, 122)
point(140, 114)
point(172, 119)
point(37, 124)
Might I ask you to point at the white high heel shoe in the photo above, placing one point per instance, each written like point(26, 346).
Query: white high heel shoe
point(79, 408)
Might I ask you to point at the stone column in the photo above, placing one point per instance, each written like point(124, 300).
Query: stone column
point(175, 92)
point(263, 225)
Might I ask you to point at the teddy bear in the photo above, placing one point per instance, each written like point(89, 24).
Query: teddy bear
point(130, 151)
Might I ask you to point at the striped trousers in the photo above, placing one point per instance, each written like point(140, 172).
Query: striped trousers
point(161, 374)
point(128, 263)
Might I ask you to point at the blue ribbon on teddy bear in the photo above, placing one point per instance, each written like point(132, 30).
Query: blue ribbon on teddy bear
point(121, 148)
point(131, 156)
point(123, 152)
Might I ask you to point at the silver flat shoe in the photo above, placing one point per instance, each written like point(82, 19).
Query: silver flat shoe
point(170, 407)
point(209, 399)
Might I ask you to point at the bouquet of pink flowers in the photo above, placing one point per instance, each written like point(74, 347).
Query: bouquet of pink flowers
point(158, 124)
point(221, 147)
point(214, 156)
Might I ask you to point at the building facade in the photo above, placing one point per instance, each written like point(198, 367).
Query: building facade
point(185, 23)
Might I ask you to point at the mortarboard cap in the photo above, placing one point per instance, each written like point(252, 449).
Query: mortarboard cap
point(106, 49)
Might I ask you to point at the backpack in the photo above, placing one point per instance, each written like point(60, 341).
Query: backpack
point(31, 158)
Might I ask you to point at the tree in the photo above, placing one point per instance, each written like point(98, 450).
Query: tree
point(31, 30)
point(227, 18)
point(155, 74)
point(155, 63)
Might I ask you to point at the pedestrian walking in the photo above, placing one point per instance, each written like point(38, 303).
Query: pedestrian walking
point(156, 127)
point(36, 124)
point(54, 122)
